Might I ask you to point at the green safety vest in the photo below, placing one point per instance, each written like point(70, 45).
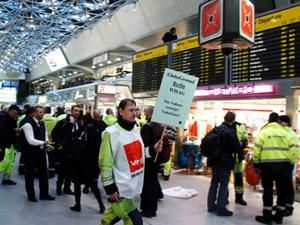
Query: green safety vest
point(295, 152)
point(50, 122)
point(241, 132)
point(110, 120)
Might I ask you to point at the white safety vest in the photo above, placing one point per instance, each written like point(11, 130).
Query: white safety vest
point(128, 154)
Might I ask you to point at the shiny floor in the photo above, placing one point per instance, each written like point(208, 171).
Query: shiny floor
point(16, 210)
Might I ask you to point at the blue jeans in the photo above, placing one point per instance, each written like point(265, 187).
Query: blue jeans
point(219, 184)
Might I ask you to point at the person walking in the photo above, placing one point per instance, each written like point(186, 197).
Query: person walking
point(121, 162)
point(87, 164)
point(62, 137)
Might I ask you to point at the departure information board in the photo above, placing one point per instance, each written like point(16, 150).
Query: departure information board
point(188, 57)
point(148, 69)
point(276, 53)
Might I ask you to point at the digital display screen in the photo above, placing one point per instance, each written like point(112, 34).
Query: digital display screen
point(276, 53)
point(148, 69)
point(188, 57)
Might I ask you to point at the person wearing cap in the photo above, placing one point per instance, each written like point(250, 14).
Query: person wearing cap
point(271, 156)
point(285, 121)
point(8, 134)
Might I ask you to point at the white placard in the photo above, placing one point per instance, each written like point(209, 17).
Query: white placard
point(174, 98)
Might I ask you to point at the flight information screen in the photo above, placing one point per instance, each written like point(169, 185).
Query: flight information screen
point(148, 68)
point(188, 57)
point(276, 53)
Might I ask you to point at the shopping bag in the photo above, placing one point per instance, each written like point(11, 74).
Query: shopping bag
point(252, 177)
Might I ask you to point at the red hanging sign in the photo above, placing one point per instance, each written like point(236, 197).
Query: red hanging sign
point(211, 25)
point(247, 18)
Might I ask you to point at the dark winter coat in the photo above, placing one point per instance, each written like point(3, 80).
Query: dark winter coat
point(94, 137)
point(7, 131)
point(230, 147)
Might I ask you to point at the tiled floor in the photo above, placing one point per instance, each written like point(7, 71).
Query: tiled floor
point(16, 210)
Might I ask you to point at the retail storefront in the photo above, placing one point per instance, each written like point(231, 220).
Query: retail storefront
point(252, 103)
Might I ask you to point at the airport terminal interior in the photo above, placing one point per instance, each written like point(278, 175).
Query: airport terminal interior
point(241, 56)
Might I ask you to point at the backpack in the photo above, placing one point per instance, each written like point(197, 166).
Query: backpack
point(211, 144)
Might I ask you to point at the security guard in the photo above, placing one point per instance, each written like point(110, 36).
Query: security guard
point(285, 121)
point(238, 166)
point(272, 149)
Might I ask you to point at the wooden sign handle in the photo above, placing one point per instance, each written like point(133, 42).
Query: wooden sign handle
point(161, 139)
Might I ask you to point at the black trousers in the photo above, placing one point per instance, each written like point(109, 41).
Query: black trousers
point(280, 177)
point(36, 160)
point(94, 188)
point(238, 183)
point(21, 168)
point(62, 172)
point(150, 192)
point(290, 198)
point(52, 161)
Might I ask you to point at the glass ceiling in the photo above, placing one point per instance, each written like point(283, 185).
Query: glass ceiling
point(29, 29)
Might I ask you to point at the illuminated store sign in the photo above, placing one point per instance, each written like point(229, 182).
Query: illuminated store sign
point(236, 90)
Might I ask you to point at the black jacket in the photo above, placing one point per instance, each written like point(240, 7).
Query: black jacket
point(168, 37)
point(230, 144)
point(71, 139)
point(94, 137)
point(7, 131)
point(151, 133)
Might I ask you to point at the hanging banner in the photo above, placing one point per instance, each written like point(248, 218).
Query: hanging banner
point(174, 98)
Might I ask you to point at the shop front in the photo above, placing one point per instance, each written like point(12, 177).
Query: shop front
point(252, 103)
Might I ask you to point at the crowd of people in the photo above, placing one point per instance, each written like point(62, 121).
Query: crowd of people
point(79, 148)
point(127, 151)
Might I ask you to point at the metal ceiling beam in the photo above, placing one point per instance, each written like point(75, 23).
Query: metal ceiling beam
point(29, 29)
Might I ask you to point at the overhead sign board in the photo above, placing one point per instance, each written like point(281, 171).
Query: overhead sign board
point(276, 53)
point(148, 68)
point(56, 60)
point(174, 98)
point(12, 76)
